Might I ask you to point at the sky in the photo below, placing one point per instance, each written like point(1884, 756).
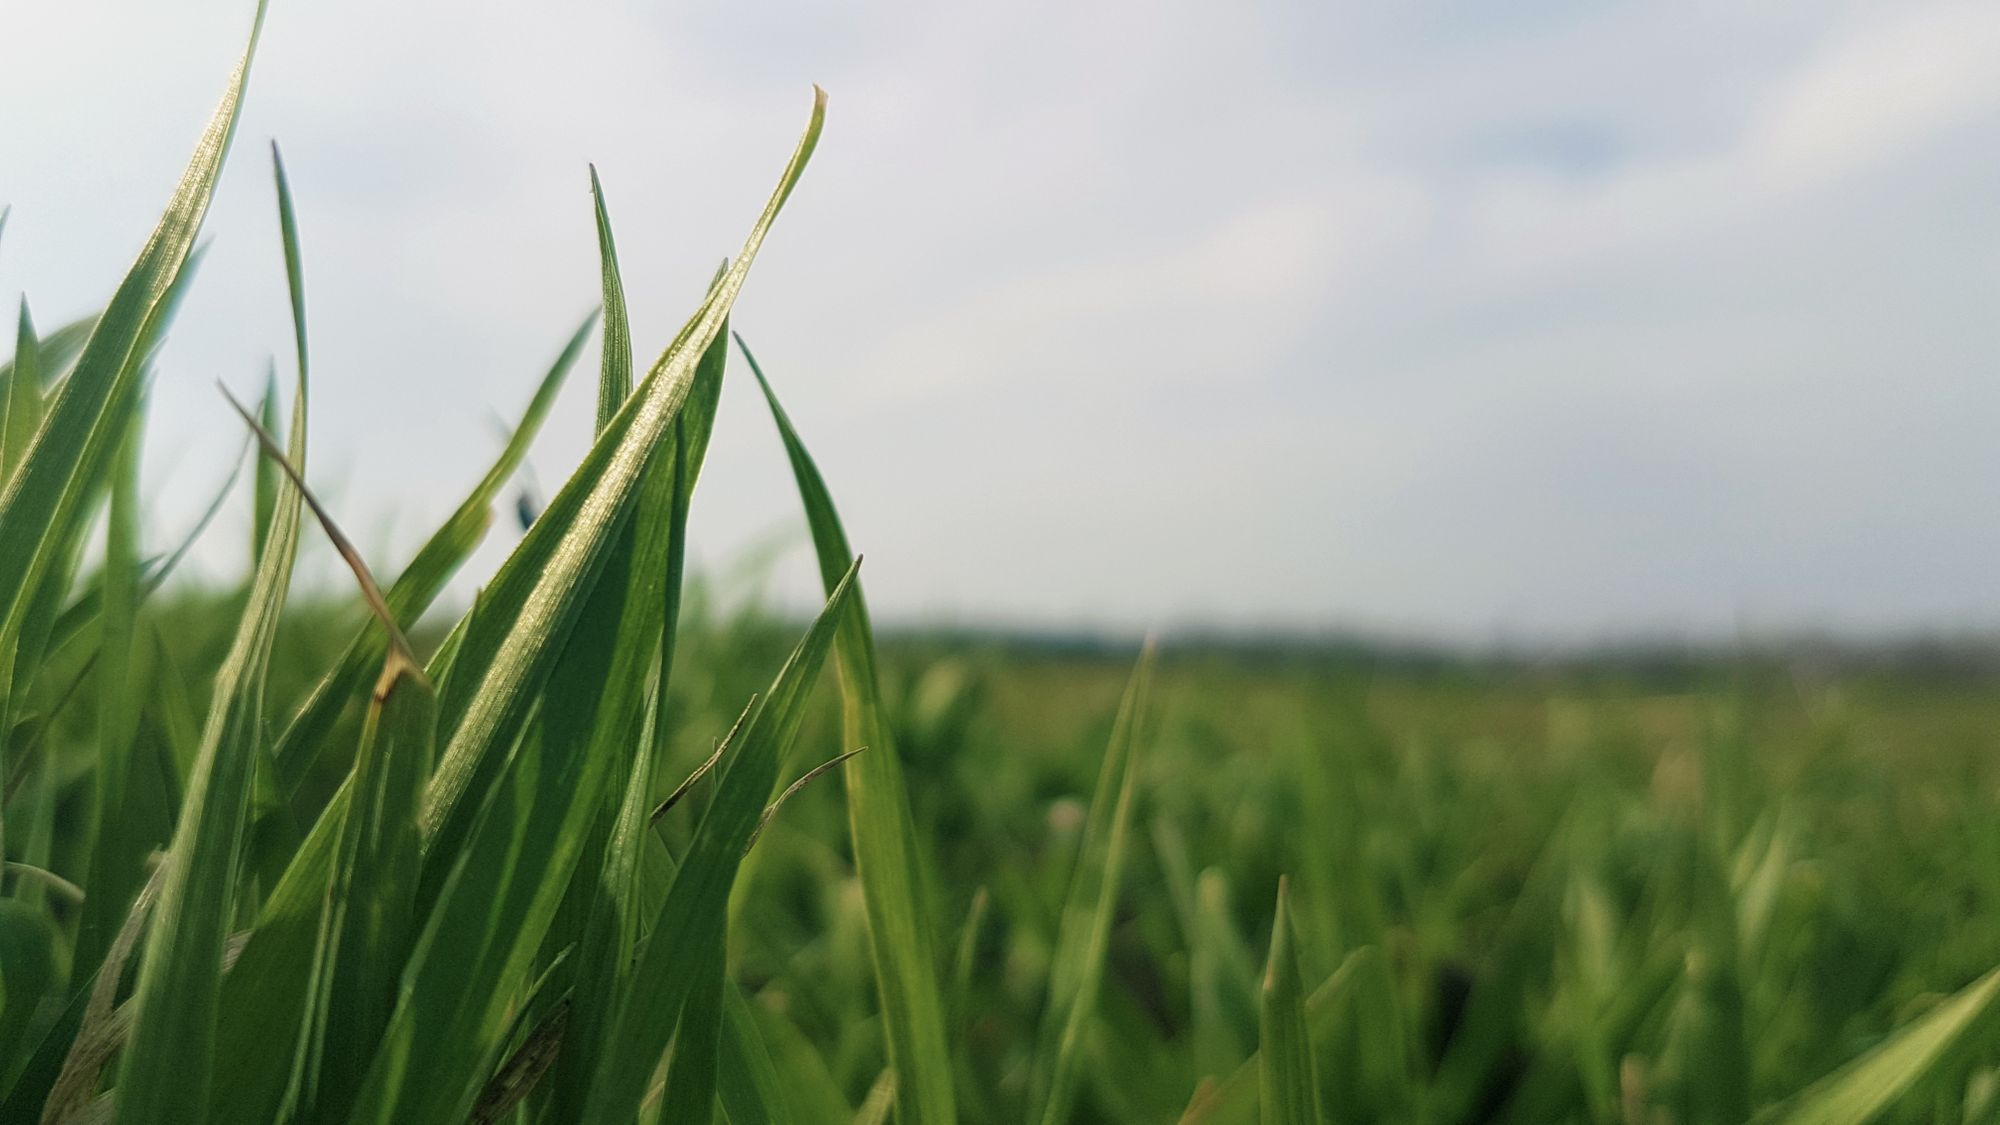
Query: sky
point(1438, 319)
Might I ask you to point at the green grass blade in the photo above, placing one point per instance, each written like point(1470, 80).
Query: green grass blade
point(1086, 919)
point(810, 1088)
point(24, 395)
point(73, 448)
point(167, 1064)
point(366, 930)
point(694, 916)
point(1235, 1100)
point(1867, 1087)
point(28, 972)
point(1290, 1091)
point(365, 927)
point(420, 582)
point(615, 377)
point(118, 854)
point(57, 350)
point(263, 1007)
point(886, 851)
point(691, 1072)
point(751, 1086)
point(503, 834)
point(534, 599)
point(612, 926)
point(266, 481)
point(880, 1102)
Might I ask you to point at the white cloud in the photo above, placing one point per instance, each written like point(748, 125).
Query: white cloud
point(1122, 311)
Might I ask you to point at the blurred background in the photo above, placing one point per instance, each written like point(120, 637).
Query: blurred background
point(1555, 323)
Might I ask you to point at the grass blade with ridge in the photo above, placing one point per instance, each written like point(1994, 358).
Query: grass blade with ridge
point(365, 926)
point(118, 852)
point(615, 374)
point(751, 1087)
point(886, 855)
point(1864, 1088)
point(531, 603)
point(421, 581)
point(612, 926)
point(56, 350)
point(1078, 961)
point(503, 833)
point(74, 446)
point(692, 921)
point(264, 478)
point(166, 1069)
point(1289, 1090)
point(1234, 1100)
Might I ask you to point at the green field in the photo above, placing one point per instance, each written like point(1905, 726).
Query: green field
point(601, 847)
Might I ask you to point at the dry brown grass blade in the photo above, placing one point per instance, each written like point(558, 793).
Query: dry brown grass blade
point(402, 658)
point(702, 770)
point(104, 1024)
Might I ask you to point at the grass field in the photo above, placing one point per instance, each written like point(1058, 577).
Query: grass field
point(598, 848)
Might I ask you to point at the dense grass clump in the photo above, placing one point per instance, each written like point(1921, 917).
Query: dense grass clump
point(277, 860)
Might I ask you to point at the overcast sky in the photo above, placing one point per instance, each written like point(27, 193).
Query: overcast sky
point(1450, 318)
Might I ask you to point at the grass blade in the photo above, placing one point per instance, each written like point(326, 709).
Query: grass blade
point(1290, 1092)
point(615, 377)
point(24, 395)
point(611, 928)
point(166, 1069)
point(365, 927)
point(420, 582)
point(694, 916)
point(1863, 1089)
point(535, 597)
point(74, 445)
point(1086, 919)
point(118, 854)
point(503, 834)
point(55, 351)
point(886, 852)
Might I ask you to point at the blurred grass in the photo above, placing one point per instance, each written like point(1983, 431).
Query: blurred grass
point(1859, 836)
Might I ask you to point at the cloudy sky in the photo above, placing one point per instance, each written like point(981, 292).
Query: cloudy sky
point(1445, 318)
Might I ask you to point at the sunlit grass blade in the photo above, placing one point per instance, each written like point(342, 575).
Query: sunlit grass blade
point(531, 603)
point(1288, 1087)
point(1085, 932)
point(886, 852)
point(611, 926)
point(421, 581)
point(693, 918)
point(502, 836)
point(167, 1065)
point(615, 375)
point(55, 352)
point(880, 1102)
point(1865, 1088)
point(73, 448)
